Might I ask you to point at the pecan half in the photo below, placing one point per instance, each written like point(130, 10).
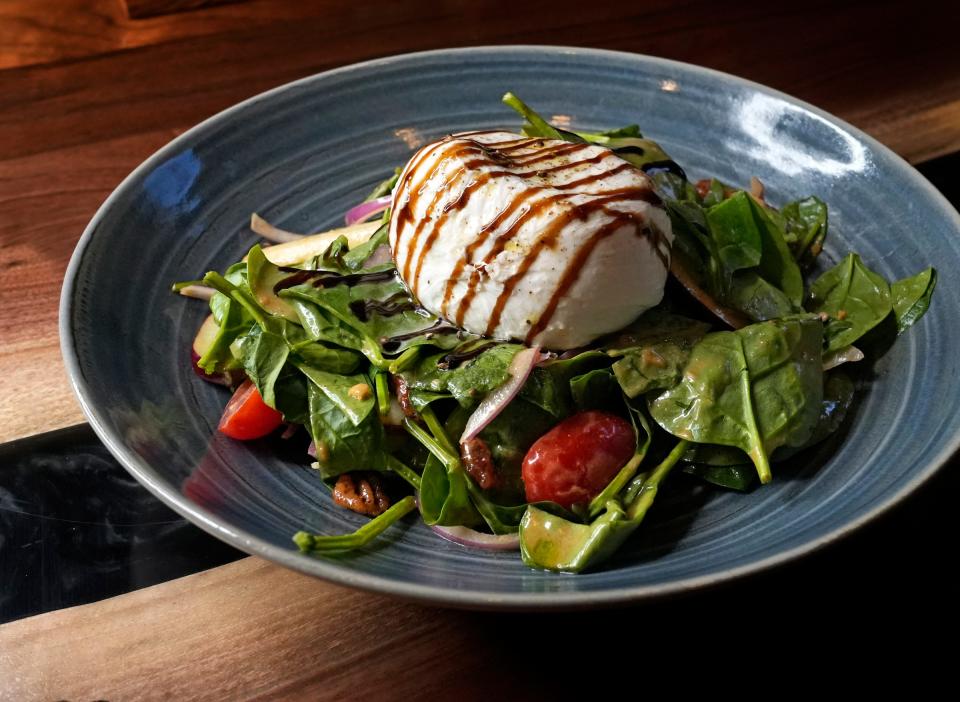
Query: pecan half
point(361, 492)
point(479, 463)
point(403, 396)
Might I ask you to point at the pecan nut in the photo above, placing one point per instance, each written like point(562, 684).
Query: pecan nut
point(362, 493)
point(403, 396)
point(478, 463)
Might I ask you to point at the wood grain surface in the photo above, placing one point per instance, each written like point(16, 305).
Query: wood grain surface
point(88, 94)
point(252, 630)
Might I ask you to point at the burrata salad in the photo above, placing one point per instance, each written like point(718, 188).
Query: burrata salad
point(522, 332)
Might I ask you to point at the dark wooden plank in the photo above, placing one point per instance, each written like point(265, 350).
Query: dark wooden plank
point(139, 9)
point(70, 131)
point(859, 64)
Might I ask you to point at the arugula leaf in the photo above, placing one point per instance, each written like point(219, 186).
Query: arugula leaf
point(911, 296)
point(855, 298)
point(757, 388)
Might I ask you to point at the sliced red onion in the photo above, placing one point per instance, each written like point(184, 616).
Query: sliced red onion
point(494, 403)
point(271, 233)
point(366, 210)
point(200, 292)
point(312, 450)
point(475, 539)
point(382, 254)
point(848, 354)
point(230, 378)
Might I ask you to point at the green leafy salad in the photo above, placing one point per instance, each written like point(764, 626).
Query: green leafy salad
point(503, 441)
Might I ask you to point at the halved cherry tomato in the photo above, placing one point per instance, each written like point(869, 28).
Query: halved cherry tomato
point(247, 416)
point(575, 460)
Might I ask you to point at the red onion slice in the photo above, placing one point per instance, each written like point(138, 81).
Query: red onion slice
point(382, 254)
point(475, 539)
point(848, 354)
point(199, 292)
point(271, 233)
point(312, 450)
point(494, 403)
point(366, 210)
point(229, 379)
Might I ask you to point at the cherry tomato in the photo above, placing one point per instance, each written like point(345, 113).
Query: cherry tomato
point(247, 416)
point(575, 460)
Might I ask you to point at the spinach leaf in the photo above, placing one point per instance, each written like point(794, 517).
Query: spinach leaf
point(549, 385)
point(362, 309)
point(338, 388)
point(320, 325)
point(911, 297)
point(643, 437)
point(757, 298)
point(855, 298)
point(331, 358)
point(536, 125)
point(347, 433)
point(596, 390)
point(653, 351)
point(290, 395)
point(757, 388)
point(555, 543)
point(734, 229)
point(263, 355)
point(232, 321)
point(748, 235)
point(445, 495)
point(806, 225)
point(354, 258)
point(716, 455)
point(444, 485)
point(672, 187)
point(735, 477)
point(468, 383)
point(263, 276)
point(838, 392)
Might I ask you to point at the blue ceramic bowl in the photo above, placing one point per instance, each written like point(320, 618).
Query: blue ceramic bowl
point(302, 154)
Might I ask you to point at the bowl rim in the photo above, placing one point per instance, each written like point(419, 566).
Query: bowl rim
point(433, 594)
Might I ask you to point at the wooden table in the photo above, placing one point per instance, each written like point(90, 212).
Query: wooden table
point(87, 93)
